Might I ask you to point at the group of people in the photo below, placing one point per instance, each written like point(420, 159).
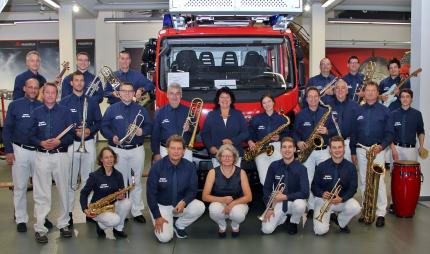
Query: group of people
point(44, 140)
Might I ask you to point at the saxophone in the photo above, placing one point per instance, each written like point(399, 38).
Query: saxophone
point(315, 140)
point(106, 204)
point(373, 173)
point(262, 145)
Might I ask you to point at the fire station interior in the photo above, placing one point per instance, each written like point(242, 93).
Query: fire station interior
point(374, 30)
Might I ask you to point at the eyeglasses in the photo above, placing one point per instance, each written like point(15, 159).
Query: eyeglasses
point(127, 91)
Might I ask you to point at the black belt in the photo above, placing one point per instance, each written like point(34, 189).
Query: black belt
point(405, 145)
point(31, 148)
point(127, 147)
point(320, 148)
point(57, 150)
point(366, 145)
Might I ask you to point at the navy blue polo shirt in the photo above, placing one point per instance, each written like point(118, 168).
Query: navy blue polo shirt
point(385, 85)
point(18, 91)
point(67, 89)
point(263, 124)
point(344, 113)
point(407, 125)
point(353, 82)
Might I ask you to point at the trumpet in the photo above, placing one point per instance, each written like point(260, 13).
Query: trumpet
point(327, 204)
point(193, 119)
point(110, 77)
point(132, 128)
point(82, 148)
point(271, 203)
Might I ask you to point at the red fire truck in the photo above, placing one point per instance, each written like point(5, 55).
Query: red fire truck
point(249, 54)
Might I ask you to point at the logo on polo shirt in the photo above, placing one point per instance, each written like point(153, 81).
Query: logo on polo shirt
point(277, 177)
point(397, 124)
point(327, 177)
point(165, 121)
point(73, 110)
point(306, 124)
point(360, 117)
point(162, 180)
point(119, 117)
point(334, 112)
point(25, 115)
point(261, 127)
point(43, 123)
point(103, 186)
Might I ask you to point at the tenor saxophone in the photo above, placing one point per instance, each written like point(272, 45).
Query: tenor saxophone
point(262, 146)
point(314, 140)
point(373, 173)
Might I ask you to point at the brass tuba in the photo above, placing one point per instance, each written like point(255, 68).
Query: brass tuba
point(373, 173)
point(262, 145)
point(314, 140)
point(193, 119)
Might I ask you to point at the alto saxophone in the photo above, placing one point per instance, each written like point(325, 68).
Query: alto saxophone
point(106, 204)
point(315, 140)
point(262, 145)
point(373, 173)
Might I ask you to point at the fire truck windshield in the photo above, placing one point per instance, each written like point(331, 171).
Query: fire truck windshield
point(208, 63)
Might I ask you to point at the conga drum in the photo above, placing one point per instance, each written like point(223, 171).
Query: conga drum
point(405, 187)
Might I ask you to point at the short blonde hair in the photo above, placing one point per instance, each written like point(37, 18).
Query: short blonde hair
point(228, 147)
point(33, 52)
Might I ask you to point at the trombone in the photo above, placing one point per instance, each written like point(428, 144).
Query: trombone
point(327, 204)
point(280, 187)
point(81, 149)
point(132, 128)
point(193, 119)
point(93, 87)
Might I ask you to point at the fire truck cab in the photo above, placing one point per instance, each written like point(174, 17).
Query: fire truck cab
point(253, 55)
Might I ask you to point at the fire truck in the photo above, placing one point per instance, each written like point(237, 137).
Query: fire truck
point(246, 48)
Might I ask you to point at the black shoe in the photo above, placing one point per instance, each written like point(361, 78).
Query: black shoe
point(380, 221)
point(100, 232)
point(48, 224)
point(139, 219)
point(310, 214)
point(288, 219)
point(222, 234)
point(345, 230)
point(180, 233)
point(361, 220)
point(71, 220)
point(119, 234)
point(235, 234)
point(65, 232)
point(292, 228)
point(41, 237)
point(391, 209)
point(21, 227)
point(90, 220)
point(333, 218)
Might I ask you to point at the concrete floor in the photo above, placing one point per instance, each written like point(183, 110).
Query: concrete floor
point(398, 236)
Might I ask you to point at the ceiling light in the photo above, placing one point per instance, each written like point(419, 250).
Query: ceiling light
point(368, 21)
point(7, 23)
point(52, 3)
point(75, 8)
point(327, 3)
point(307, 7)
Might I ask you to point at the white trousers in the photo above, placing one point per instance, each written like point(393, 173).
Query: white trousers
point(215, 162)
point(48, 166)
point(237, 215)
point(407, 153)
point(381, 203)
point(127, 160)
point(316, 157)
point(22, 169)
point(115, 219)
point(263, 161)
point(191, 213)
point(188, 153)
point(347, 150)
point(347, 210)
point(296, 209)
point(87, 161)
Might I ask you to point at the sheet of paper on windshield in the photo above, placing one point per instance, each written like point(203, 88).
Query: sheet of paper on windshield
point(230, 83)
point(182, 78)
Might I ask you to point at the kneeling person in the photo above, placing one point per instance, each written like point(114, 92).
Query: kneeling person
point(326, 175)
point(292, 200)
point(171, 191)
point(103, 182)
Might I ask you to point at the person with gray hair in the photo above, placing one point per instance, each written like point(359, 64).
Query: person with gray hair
point(169, 120)
point(32, 61)
point(227, 189)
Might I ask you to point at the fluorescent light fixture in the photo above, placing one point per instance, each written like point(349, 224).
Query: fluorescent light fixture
point(75, 8)
point(6, 23)
point(368, 21)
point(132, 20)
point(52, 3)
point(35, 21)
point(325, 4)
